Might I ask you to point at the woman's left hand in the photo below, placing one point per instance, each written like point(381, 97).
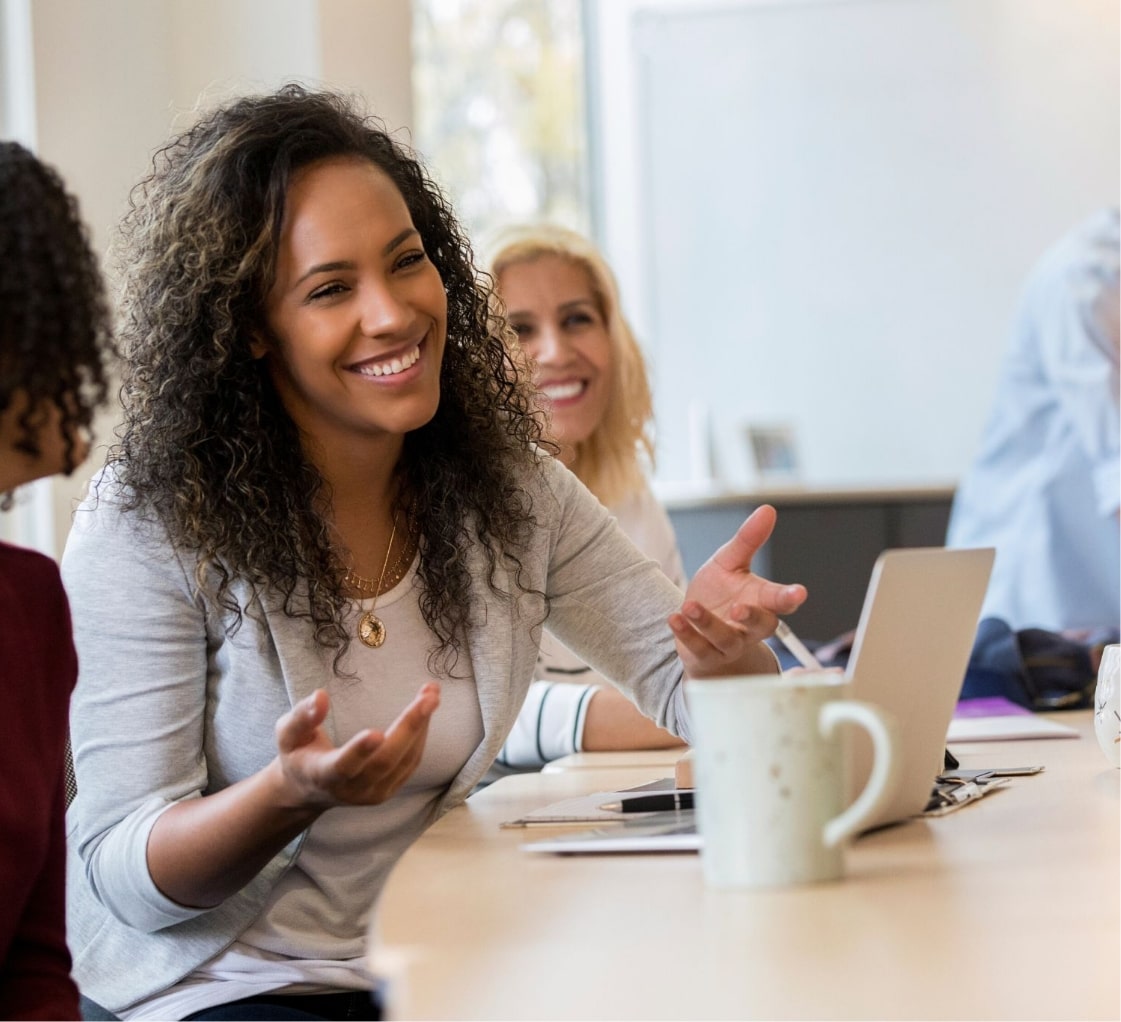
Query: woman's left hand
point(729, 610)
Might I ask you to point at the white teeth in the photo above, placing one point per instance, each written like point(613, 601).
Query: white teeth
point(393, 366)
point(562, 391)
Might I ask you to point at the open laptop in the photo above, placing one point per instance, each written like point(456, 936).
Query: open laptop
point(909, 657)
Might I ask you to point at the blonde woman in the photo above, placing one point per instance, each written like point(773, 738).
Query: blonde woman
point(563, 305)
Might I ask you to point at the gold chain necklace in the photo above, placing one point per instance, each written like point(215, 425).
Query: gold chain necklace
point(390, 576)
point(371, 630)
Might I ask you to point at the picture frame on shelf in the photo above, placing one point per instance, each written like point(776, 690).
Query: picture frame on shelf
point(774, 452)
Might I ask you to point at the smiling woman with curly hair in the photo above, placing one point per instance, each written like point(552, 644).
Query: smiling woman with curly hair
point(328, 487)
point(209, 445)
point(54, 336)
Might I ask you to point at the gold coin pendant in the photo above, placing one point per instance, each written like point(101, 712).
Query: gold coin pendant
point(370, 630)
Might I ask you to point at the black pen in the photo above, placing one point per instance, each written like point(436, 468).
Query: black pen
point(657, 803)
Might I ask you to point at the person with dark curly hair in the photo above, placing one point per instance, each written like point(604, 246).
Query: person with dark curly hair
point(54, 337)
point(330, 484)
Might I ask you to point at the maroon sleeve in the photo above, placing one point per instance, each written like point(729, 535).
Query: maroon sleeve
point(38, 668)
point(35, 978)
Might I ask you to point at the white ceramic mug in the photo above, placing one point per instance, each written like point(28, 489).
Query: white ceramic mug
point(770, 776)
point(1107, 704)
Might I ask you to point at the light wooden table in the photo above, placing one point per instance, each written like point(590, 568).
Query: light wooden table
point(662, 761)
point(1006, 909)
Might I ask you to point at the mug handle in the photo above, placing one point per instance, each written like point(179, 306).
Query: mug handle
point(881, 785)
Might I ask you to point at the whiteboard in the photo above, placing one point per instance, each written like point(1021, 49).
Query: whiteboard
point(837, 202)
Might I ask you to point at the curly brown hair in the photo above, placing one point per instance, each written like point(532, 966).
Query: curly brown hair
point(206, 444)
point(55, 326)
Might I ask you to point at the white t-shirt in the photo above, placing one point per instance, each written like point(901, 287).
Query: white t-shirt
point(551, 721)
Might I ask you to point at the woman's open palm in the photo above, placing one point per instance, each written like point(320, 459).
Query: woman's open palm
point(728, 609)
point(366, 770)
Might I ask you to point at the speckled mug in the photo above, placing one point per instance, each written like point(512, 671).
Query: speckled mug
point(770, 776)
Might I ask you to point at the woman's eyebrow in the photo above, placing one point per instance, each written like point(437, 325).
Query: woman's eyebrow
point(407, 233)
point(342, 264)
point(346, 264)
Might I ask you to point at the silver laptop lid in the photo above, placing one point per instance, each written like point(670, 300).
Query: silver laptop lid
point(912, 646)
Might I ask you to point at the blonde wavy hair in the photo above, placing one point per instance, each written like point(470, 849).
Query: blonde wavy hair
point(614, 460)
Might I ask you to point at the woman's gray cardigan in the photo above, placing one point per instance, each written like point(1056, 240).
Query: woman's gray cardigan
point(169, 706)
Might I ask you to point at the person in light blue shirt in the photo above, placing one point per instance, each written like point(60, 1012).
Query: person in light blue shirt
point(1045, 489)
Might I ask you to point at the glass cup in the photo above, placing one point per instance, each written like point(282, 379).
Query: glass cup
point(1107, 704)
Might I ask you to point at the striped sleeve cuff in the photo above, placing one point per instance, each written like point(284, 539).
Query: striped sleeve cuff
point(550, 725)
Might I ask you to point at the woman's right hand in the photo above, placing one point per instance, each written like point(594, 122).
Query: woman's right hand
point(367, 770)
point(202, 850)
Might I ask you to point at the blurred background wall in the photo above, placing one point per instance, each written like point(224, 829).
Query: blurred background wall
point(820, 211)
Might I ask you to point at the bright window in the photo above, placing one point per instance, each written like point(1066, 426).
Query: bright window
point(500, 109)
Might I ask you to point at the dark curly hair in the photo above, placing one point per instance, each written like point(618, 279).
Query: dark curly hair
point(55, 327)
point(206, 444)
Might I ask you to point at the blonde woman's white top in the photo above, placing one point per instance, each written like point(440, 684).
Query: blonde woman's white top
point(551, 723)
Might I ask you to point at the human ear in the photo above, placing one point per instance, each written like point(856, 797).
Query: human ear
point(258, 345)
